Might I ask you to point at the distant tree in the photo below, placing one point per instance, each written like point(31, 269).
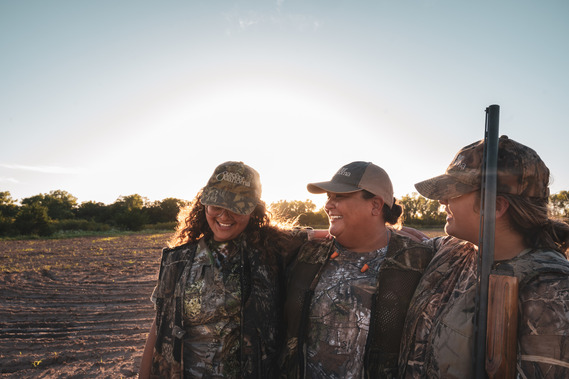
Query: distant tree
point(432, 213)
point(301, 213)
point(60, 204)
point(8, 206)
point(411, 207)
point(418, 210)
point(6, 226)
point(291, 210)
point(92, 211)
point(132, 201)
point(128, 212)
point(165, 210)
point(33, 219)
point(317, 220)
point(560, 204)
point(36, 199)
point(8, 210)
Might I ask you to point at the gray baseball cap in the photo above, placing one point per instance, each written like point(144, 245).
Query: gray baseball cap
point(358, 176)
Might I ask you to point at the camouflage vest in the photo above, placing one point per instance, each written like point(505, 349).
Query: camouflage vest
point(397, 278)
point(438, 339)
point(260, 321)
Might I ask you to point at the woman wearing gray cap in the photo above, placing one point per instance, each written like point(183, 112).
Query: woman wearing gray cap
point(218, 296)
point(439, 332)
point(347, 297)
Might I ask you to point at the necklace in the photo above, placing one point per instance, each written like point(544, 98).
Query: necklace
point(378, 254)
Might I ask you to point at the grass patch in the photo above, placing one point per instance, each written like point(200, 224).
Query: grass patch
point(112, 233)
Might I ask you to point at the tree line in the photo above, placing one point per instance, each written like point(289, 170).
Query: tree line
point(59, 211)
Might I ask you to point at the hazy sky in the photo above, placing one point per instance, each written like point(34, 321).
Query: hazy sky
point(111, 98)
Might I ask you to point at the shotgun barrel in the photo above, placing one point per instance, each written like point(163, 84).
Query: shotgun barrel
point(489, 184)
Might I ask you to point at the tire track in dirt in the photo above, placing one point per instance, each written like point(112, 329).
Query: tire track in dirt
point(76, 308)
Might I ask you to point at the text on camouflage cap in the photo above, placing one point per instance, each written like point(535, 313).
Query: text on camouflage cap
point(233, 186)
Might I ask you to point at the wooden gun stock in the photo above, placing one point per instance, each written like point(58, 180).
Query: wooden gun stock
point(501, 332)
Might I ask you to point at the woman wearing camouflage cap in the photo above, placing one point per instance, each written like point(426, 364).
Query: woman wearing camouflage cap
point(439, 330)
point(347, 297)
point(217, 300)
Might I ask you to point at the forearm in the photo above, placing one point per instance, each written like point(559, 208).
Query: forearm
point(146, 363)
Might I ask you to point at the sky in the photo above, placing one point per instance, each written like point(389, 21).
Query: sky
point(108, 98)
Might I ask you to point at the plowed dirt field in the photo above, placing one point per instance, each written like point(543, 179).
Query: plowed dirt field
point(76, 308)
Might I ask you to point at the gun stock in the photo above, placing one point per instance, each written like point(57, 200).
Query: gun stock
point(501, 336)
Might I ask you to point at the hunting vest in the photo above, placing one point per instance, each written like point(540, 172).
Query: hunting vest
point(260, 321)
point(397, 278)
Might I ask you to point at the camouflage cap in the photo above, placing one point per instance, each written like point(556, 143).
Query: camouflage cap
point(233, 186)
point(520, 172)
point(358, 176)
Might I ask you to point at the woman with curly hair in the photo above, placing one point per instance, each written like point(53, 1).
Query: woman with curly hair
point(218, 297)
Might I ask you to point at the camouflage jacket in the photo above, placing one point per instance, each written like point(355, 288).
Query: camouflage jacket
point(259, 320)
point(396, 281)
point(438, 338)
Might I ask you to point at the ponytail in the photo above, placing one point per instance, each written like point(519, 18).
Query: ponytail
point(393, 215)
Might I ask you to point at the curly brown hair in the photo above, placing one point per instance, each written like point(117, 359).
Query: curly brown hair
point(193, 225)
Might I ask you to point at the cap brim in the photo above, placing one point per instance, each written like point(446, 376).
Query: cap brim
point(443, 187)
point(335, 187)
point(242, 205)
point(247, 210)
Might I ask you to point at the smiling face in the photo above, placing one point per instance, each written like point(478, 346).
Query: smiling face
point(463, 221)
point(350, 217)
point(225, 225)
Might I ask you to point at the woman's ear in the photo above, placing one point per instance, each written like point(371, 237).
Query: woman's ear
point(377, 205)
point(502, 206)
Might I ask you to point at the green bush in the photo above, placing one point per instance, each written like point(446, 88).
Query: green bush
point(78, 224)
point(170, 226)
point(32, 219)
point(6, 226)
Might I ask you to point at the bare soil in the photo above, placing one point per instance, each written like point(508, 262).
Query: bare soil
point(76, 308)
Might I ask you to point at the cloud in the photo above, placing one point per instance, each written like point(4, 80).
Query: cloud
point(8, 180)
point(250, 20)
point(303, 22)
point(244, 20)
point(43, 169)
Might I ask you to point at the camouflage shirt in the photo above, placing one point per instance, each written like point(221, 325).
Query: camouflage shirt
point(352, 329)
point(218, 310)
point(438, 337)
point(340, 314)
point(212, 304)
